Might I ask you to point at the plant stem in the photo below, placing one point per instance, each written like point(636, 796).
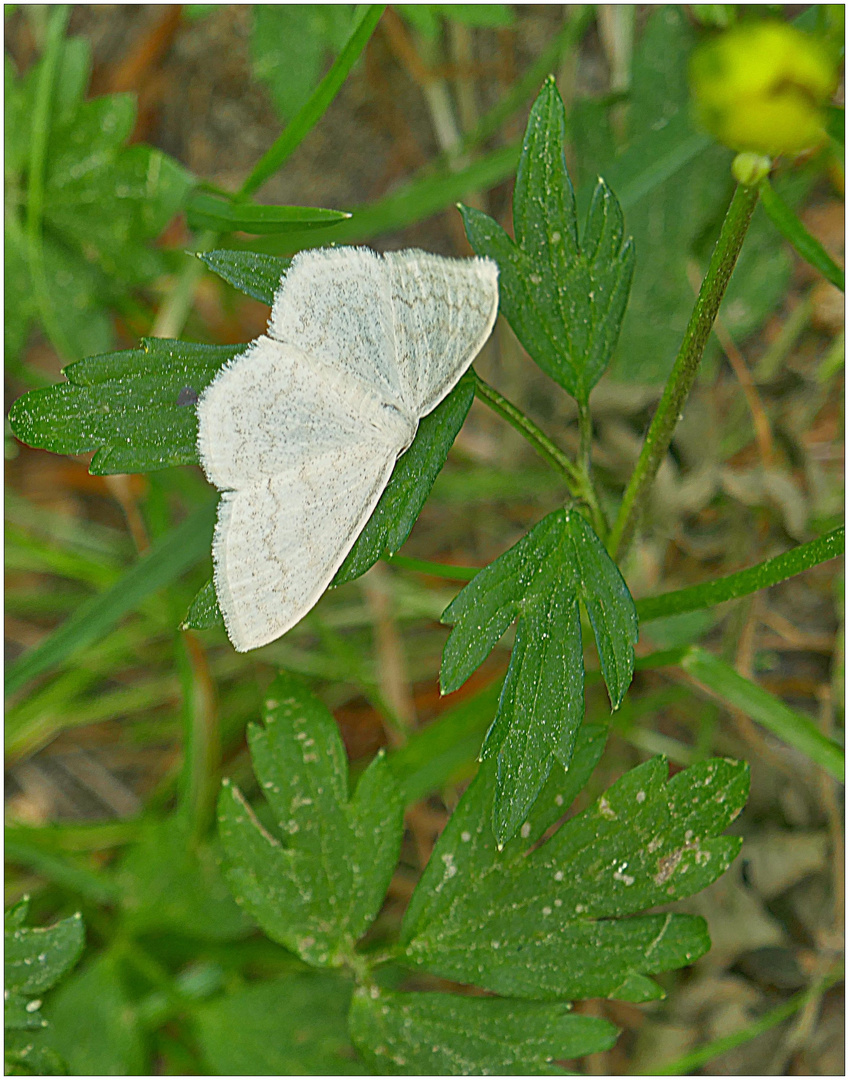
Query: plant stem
point(529, 431)
point(588, 492)
point(722, 262)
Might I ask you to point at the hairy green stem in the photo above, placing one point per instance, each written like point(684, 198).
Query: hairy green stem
point(588, 491)
point(680, 382)
point(529, 431)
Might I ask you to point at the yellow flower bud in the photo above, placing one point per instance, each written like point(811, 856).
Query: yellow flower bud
point(761, 87)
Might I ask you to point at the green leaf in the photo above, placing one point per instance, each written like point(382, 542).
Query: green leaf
point(93, 1024)
point(744, 582)
point(204, 612)
point(204, 211)
point(540, 581)
point(135, 408)
point(24, 1056)
point(409, 486)
point(548, 922)
point(674, 185)
point(34, 959)
point(256, 275)
point(294, 1025)
point(317, 887)
point(723, 682)
point(792, 229)
point(164, 563)
point(450, 1035)
point(288, 46)
point(170, 882)
point(563, 295)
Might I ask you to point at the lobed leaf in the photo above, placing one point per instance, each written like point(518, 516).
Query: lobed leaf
point(540, 581)
point(548, 923)
point(674, 184)
point(450, 1035)
point(564, 295)
point(135, 408)
point(317, 887)
point(34, 959)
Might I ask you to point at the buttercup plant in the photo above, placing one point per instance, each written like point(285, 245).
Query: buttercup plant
point(542, 889)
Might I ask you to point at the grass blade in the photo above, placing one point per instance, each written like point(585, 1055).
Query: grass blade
point(731, 688)
point(733, 586)
point(205, 211)
point(792, 229)
point(165, 562)
point(281, 149)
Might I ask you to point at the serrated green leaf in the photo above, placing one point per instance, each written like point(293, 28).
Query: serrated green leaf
point(37, 957)
point(539, 581)
point(24, 1055)
point(94, 1026)
point(205, 211)
point(317, 888)
point(450, 1035)
point(135, 408)
point(252, 273)
point(410, 483)
point(563, 295)
point(34, 960)
point(549, 923)
point(292, 1026)
point(675, 184)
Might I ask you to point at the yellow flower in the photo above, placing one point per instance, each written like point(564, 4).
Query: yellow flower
point(761, 87)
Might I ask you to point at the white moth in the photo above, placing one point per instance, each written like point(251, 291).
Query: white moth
point(301, 432)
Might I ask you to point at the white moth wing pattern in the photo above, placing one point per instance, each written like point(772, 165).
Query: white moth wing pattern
point(334, 304)
point(443, 313)
point(301, 432)
point(278, 543)
point(302, 454)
